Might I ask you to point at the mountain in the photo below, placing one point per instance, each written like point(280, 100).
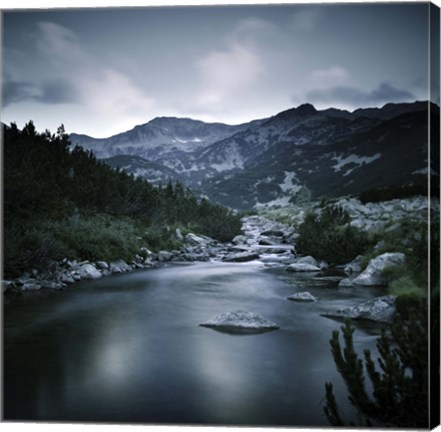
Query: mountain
point(294, 154)
point(140, 167)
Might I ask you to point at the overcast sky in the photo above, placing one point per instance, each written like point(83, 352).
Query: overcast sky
point(103, 71)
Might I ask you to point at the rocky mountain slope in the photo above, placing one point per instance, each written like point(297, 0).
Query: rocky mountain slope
point(297, 153)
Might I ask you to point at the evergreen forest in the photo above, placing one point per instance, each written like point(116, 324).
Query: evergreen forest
point(62, 202)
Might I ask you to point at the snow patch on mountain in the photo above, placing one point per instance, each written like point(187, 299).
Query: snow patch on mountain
point(288, 183)
point(353, 159)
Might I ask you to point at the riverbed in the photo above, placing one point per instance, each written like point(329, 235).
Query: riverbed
point(129, 349)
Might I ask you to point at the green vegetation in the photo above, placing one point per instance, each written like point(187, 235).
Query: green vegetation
point(329, 236)
point(400, 388)
point(62, 202)
point(406, 190)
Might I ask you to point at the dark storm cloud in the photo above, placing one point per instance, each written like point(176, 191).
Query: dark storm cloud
point(58, 91)
point(357, 97)
point(51, 92)
point(16, 91)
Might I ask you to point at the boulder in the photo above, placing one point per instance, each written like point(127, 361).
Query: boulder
point(119, 266)
point(302, 267)
point(240, 322)
point(239, 239)
point(380, 309)
point(354, 266)
point(346, 282)
point(372, 274)
point(241, 257)
point(302, 297)
point(165, 256)
point(196, 240)
point(47, 284)
point(30, 286)
point(88, 271)
point(102, 265)
point(308, 260)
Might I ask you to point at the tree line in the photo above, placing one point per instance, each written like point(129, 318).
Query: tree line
point(47, 181)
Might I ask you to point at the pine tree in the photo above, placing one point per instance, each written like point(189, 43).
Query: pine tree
point(400, 385)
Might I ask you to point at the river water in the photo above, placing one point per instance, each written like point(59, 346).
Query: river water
point(128, 348)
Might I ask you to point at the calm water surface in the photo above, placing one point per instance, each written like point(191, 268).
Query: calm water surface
point(128, 348)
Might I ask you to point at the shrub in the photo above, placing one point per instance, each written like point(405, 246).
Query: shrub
point(329, 236)
point(400, 395)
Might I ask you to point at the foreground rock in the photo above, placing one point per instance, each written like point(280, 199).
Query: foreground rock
point(240, 322)
point(380, 309)
point(371, 276)
point(305, 296)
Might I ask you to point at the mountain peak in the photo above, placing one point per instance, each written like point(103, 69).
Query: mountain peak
point(306, 110)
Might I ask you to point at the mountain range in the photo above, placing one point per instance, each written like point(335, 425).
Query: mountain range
point(296, 154)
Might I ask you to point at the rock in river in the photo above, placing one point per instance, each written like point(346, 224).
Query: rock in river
point(381, 309)
point(240, 322)
point(241, 257)
point(302, 267)
point(302, 297)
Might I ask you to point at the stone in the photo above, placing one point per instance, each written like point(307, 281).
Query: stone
point(102, 265)
point(240, 322)
point(346, 282)
point(305, 296)
point(65, 277)
point(273, 233)
point(195, 240)
point(119, 266)
point(354, 266)
point(239, 239)
point(380, 309)
point(88, 271)
point(53, 285)
point(178, 234)
point(307, 260)
point(30, 286)
point(165, 256)
point(371, 276)
point(241, 257)
point(302, 267)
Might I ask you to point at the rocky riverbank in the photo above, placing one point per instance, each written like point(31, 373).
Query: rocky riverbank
point(261, 239)
point(267, 241)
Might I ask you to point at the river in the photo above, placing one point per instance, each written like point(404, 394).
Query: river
point(128, 348)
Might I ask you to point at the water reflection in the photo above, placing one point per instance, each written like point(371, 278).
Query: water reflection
point(130, 349)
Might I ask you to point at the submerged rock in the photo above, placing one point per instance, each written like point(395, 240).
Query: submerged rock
point(240, 322)
point(305, 296)
point(380, 309)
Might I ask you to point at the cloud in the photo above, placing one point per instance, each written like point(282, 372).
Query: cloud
point(225, 74)
point(333, 72)
point(75, 75)
point(306, 18)
point(16, 91)
point(51, 92)
point(232, 72)
point(355, 97)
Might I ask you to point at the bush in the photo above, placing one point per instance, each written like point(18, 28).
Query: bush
point(329, 236)
point(387, 193)
point(400, 396)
